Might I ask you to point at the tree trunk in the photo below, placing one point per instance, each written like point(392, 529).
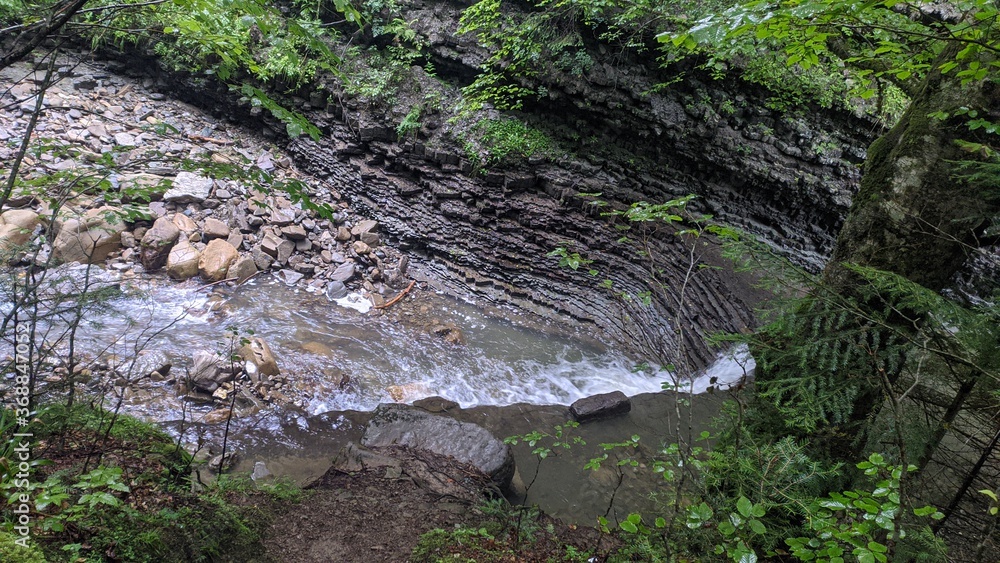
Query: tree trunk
point(913, 216)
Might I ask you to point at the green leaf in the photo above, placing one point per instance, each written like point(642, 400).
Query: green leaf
point(628, 526)
point(744, 506)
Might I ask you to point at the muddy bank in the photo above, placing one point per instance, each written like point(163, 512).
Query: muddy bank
point(304, 449)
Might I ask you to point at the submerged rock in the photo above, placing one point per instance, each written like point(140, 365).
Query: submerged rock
point(403, 425)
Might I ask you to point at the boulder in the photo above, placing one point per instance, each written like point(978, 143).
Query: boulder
point(185, 223)
point(343, 273)
point(362, 227)
point(242, 269)
point(16, 228)
point(189, 188)
point(600, 406)
point(335, 290)
point(215, 260)
point(258, 353)
point(214, 229)
point(154, 248)
point(261, 259)
point(277, 247)
point(182, 263)
point(282, 216)
point(207, 372)
point(403, 425)
point(294, 232)
point(88, 239)
point(148, 362)
point(290, 277)
point(371, 239)
point(361, 248)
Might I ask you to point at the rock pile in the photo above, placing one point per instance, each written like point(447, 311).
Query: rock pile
point(154, 214)
point(144, 186)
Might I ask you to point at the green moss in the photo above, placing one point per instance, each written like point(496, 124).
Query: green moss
point(508, 141)
point(11, 552)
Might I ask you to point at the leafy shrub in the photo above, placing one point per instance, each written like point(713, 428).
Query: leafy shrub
point(509, 141)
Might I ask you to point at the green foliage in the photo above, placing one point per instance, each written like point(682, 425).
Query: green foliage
point(866, 524)
point(11, 552)
point(544, 442)
point(884, 49)
point(568, 259)
point(142, 517)
point(509, 141)
point(410, 123)
point(548, 37)
point(282, 490)
point(439, 546)
point(734, 529)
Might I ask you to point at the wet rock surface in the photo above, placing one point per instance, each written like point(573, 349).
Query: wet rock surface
point(404, 425)
point(600, 406)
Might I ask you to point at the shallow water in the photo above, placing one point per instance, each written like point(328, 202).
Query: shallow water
point(500, 363)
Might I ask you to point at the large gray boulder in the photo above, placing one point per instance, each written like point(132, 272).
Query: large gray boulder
point(403, 425)
point(189, 187)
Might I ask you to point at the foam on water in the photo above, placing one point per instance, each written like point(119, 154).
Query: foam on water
point(314, 340)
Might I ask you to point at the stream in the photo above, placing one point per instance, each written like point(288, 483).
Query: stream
point(507, 376)
point(314, 340)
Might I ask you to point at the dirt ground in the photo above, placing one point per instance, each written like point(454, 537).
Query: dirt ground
point(377, 511)
point(361, 517)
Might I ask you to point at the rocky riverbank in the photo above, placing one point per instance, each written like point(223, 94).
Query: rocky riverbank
point(148, 187)
point(624, 128)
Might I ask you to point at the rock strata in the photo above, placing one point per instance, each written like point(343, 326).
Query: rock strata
point(403, 425)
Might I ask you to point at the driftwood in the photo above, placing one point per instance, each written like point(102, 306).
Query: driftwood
point(395, 299)
point(205, 139)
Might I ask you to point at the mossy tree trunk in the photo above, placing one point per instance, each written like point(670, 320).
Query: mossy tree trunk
point(913, 216)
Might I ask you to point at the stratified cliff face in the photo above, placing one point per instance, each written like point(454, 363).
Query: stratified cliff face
point(485, 233)
point(786, 179)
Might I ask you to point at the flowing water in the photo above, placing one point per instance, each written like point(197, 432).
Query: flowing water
point(316, 340)
point(509, 377)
